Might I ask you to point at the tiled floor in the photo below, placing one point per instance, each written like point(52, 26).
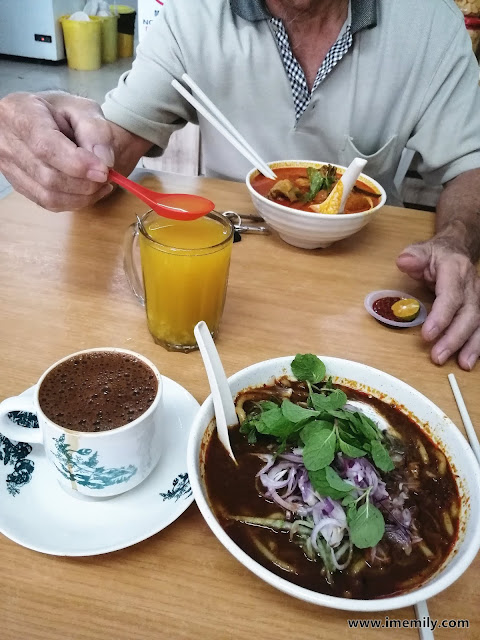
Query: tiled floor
point(16, 75)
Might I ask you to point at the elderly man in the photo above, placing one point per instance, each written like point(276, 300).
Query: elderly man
point(317, 79)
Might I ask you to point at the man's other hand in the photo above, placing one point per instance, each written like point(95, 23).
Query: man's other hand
point(454, 320)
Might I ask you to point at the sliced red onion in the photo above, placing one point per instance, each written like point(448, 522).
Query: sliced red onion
point(288, 506)
point(269, 460)
point(330, 520)
point(292, 457)
point(306, 488)
point(362, 474)
point(269, 483)
point(336, 555)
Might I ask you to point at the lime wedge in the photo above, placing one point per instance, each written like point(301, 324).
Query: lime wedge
point(406, 309)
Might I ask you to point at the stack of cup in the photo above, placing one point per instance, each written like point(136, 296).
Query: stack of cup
point(83, 41)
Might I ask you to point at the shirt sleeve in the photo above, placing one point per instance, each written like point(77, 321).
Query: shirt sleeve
point(144, 102)
point(447, 134)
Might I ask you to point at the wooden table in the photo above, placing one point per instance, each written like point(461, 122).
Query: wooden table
point(63, 289)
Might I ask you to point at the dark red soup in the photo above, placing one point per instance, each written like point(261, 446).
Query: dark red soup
point(417, 498)
point(300, 187)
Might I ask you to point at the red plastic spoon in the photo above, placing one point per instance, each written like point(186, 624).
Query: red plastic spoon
point(177, 206)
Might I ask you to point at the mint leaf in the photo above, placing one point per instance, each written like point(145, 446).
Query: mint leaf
point(273, 423)
point(294, 413)
point(367, 427)
point(350, 450)
point(319, 179)
point(266, 405)
point(381, 457)
point(281, 447)
point(337, 399)
point(349, 435)
point(331, 402)
point(249, 427)
point(366, 524)
point(316, 183)
point(319, 450)
point(336, 482)
point(321, 486)
point(320, 402)
point(313, 427)
point(308, 367)
point(348, 500)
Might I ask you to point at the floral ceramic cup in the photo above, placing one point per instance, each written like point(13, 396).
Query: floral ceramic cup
point(98, 464)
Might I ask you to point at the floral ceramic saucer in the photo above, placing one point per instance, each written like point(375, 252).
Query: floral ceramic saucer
point(37, 513)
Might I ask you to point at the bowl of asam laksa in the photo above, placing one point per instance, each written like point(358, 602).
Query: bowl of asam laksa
point(351, 489)
point(294, 203)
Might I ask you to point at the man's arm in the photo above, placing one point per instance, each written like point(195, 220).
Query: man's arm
point(447, 264)
point(56, 149)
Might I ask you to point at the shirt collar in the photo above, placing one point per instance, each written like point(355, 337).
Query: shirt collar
point(364, 12)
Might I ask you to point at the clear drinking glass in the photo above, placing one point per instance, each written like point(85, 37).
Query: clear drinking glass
point(185, 273)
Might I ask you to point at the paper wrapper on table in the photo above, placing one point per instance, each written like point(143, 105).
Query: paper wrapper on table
point(83, 41)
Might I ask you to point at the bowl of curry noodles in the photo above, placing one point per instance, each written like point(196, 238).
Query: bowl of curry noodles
point(297, 204)
point(351, 490)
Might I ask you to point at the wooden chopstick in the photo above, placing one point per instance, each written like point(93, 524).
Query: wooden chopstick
point(230, 133)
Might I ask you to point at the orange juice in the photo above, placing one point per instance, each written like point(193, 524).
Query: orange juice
point(185, 273)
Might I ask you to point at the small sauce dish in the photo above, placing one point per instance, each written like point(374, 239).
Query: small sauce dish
point(375, 296)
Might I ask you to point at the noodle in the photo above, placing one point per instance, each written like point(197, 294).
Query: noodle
point(442, 462)
point(423, 453)
point(448, 524)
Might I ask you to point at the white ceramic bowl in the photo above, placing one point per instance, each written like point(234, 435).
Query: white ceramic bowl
point(307, 229)
point(440, 428)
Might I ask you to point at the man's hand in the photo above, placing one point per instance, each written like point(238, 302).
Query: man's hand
point(455, 316)
point(55, 149)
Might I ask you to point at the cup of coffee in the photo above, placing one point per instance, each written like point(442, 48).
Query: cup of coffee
point(99, 417)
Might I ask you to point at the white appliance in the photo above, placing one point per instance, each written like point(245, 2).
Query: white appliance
point(31, 28)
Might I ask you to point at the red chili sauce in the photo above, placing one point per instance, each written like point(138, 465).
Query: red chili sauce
point(383, 306)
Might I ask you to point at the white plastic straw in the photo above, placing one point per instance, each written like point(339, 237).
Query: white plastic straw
point(235, 139)
point(467, 423)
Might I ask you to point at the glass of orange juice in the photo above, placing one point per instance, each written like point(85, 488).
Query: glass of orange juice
point(185, 273)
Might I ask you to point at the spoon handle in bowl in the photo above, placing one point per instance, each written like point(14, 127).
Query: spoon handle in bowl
point(222, 396)
point(349, 179)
